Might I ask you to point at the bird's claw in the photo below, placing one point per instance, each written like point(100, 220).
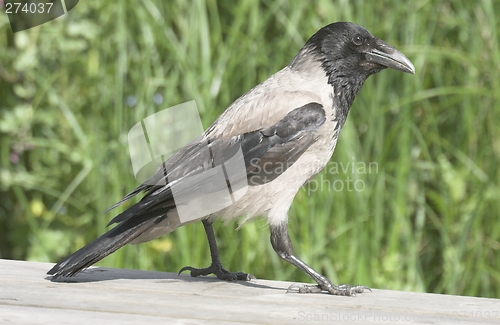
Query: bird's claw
point(341, 290)
point(219, 272)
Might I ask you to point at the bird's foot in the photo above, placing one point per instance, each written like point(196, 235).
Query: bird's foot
point(341, 290)
point(219, 271)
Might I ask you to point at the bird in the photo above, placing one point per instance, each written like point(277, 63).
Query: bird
point(281, 133)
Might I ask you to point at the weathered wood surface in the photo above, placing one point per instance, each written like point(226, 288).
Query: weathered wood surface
point(118, 296)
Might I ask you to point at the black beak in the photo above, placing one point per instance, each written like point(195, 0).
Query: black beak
point(389, 57)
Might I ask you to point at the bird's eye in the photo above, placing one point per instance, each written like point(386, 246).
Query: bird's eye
point(357, 40)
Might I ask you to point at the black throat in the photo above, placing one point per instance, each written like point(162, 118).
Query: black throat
point(345, 76)
point(346, 84)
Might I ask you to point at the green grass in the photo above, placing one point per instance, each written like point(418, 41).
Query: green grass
point(426, 219)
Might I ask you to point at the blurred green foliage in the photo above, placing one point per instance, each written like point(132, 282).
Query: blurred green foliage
point(426, 219)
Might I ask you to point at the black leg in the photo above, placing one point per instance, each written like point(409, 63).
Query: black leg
point(216, 266)
point(283, 247)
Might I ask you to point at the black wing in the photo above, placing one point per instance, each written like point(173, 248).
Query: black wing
point(267, 153)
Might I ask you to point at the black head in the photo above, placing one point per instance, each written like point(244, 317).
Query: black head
point(349, 54)
point(354, 48)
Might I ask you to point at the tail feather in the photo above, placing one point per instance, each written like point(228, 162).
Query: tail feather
point(101, 247)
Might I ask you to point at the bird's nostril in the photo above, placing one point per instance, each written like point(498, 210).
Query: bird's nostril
point(385, 48)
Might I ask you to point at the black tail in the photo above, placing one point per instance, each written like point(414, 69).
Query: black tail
point(98, 249)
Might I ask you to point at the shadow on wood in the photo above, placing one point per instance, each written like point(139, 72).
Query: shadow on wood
point(96, 274)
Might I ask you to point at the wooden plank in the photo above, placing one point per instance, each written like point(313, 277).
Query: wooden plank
point(118, 296)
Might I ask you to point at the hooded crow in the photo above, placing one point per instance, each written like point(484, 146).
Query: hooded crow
point(285, 130)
